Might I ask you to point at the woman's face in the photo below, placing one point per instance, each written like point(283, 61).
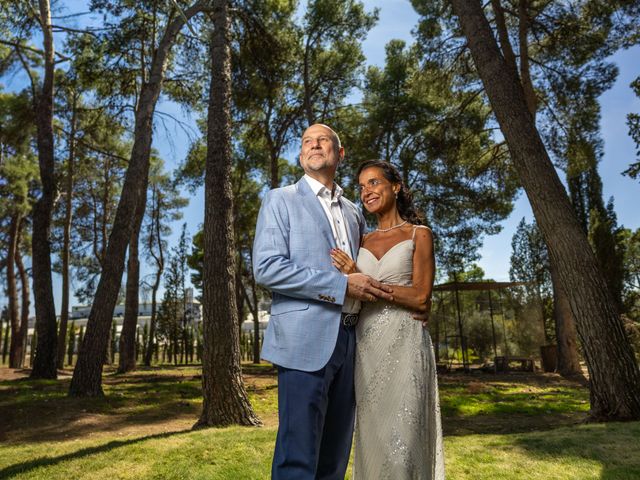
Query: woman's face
point(378, 194)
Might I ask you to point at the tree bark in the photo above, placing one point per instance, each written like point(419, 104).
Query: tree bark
point(503, 34)
point(566, 335)
point(87, 375)
point(66, 241)
point(44, 364)
point(256, 323)
point(159, 259)
point(525, 71)
point(306, 77)
point(25, 301)
point(568, 362)
point(127, 361)
point(225, 399)
point(613, 371)
point(12, 294)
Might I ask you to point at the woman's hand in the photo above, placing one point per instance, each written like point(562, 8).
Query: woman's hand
point(423, 314)
point(342, 261)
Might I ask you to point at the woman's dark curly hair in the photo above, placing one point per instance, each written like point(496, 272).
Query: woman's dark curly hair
point(404, 201)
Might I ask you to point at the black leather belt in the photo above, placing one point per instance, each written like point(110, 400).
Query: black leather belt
point(349, 319)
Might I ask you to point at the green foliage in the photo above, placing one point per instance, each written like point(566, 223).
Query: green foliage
point(5, 340)
point(530, 261)
point(608, 242)
point(631, 289)
point(18, 176)
point(116, 59)
point(415, 115)
point(18, 162)
point(164, 205)
point(173, 316)
point(101, 157)
point(333, 32)
point(633, 122)
point(246, 191)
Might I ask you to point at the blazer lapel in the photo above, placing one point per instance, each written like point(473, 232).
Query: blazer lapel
point(353, 231)
point(313, 207)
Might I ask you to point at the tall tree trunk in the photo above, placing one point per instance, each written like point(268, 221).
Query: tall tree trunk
point(566, 335)
point(525, 74)
point(66, 241)
point(12, 293)
point(239, 287)
point(44, 364)
point(274, 170)
point(256, 322)
point(153, 320)
point(87, 375)
point(503, 34)
point(127, 361)
point(613, 371)
point(567, 348)
point(225, 399)
point(306, 78)
point(159, 259)
point(25, 301)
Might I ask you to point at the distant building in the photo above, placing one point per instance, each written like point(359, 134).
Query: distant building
point(264, 308)
point(80, 313)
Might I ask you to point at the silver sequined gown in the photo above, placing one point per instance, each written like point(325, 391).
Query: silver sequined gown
point(398, 431)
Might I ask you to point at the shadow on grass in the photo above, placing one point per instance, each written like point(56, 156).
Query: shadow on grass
point(24, 467)
point(499, 404)
point(615, 446)
point(148, 399)
point(39, 411)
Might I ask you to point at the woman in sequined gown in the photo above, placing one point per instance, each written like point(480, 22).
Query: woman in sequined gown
point(398, 433)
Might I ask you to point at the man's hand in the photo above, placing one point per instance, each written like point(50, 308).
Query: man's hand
point(363, 287)
point(423, 315)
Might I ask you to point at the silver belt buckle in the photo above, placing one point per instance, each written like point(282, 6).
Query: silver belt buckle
point(349, 319)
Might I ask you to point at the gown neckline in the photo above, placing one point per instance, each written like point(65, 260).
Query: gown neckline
point(385, 253)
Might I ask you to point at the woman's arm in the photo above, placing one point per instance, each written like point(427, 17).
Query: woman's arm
point(418, 296)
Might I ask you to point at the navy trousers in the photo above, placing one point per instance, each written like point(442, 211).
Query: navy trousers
point(316, 413)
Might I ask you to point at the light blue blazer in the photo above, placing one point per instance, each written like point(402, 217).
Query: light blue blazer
point(291, 258)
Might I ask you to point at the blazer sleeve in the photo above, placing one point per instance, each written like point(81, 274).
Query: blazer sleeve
point(272, 265)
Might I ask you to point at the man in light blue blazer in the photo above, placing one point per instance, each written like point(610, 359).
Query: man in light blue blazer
point(310, 336)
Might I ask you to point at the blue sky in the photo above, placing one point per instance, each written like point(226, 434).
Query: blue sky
point(397, 19)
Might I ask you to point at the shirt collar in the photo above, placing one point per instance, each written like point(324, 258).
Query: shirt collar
point(319, 189)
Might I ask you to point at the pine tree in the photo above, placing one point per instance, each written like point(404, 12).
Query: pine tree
point(608, 242)
point(5, 343)
point(613, 371)
point(71, 345)
point(225, 398)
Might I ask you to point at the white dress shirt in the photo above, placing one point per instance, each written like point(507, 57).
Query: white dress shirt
point(330, 202)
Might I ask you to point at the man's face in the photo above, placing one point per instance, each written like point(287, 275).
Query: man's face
point(319, 150)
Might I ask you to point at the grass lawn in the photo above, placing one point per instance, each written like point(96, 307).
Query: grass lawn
point(518, 426)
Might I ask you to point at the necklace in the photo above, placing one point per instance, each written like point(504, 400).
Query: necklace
point(390, 228)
